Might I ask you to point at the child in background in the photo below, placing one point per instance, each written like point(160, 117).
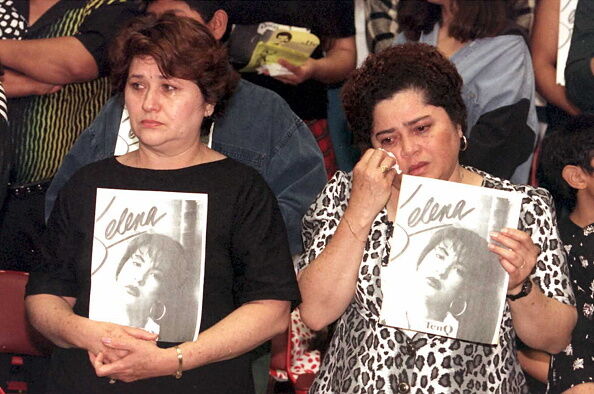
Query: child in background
point(567, 171)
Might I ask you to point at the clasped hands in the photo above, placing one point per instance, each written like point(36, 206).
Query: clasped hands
point(127, 353)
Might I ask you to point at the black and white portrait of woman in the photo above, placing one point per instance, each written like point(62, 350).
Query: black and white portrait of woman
point(148, 261)
point(157, 282)
point(451, 291)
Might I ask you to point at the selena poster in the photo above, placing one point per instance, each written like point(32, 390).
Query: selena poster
point(148, 261)
point(441, 278)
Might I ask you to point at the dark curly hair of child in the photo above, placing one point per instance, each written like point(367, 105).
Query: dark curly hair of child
point(415, 66)
point(573, 144)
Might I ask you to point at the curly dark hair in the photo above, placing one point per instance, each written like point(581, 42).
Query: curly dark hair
point(409, 66)
point(473, 18)
point(182, 48)
point(573, 144)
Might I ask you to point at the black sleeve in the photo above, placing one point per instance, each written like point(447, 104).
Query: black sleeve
point(55, 272)
point(101, 26)
point(260, 249)
point(500, 140)
point(333, 18)
point(345, 11)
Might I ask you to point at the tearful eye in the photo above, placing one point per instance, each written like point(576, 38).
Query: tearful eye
point(387, 141)
point(421, 129)
point(169, 88)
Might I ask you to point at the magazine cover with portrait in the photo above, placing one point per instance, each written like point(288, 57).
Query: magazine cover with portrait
point(148, 261)
point(441, 278)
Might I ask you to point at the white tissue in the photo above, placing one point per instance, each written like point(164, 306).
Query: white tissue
point(395, 166)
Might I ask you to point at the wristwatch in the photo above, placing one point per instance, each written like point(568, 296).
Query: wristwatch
point(526, 288)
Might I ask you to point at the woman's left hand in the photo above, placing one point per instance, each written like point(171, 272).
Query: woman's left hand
point(144, 360)
point(517, 255)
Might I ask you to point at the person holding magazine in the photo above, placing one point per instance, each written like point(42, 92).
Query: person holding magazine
point(406, 103)
point(174, 74)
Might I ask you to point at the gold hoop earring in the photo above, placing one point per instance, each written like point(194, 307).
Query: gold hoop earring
point(463, 143)
point(157, 315)
point(461, 310)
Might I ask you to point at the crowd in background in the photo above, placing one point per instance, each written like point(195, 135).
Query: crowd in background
point(60, 112)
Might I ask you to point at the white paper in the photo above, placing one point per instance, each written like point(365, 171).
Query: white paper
point(455, 286)
point(148, 261)
point(566, 19)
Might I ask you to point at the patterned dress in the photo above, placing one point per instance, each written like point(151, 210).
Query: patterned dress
point(575, 365)
point(366, 357)
point(13, 25)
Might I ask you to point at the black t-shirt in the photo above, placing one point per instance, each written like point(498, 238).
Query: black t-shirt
point(246, 258)
point(327, 19)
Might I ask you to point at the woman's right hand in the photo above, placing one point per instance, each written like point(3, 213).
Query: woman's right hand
point(373, 177)
point(95, 332)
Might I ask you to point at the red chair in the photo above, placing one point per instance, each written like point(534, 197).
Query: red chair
point(17, 336)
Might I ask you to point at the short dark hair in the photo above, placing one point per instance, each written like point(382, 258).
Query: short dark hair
point(182, 48)
point(408, 66)
point(206, 8)
point(572, 144)
point(473, 18)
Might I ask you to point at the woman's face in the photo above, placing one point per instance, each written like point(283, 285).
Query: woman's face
point(140, 280)
point(165, 113)
point(423, 138)
point(440, 273)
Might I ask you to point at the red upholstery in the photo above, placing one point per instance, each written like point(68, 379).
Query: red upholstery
point(17, 335)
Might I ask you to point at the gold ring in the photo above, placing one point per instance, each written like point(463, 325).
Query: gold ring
point(112, 381)
point(384, 168)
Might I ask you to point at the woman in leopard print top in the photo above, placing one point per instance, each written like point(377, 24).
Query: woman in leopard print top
point(407, 101)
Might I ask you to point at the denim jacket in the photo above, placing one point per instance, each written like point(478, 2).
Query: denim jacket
point(258, 129)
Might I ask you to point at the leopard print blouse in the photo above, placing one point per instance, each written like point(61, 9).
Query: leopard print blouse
point(366, 357)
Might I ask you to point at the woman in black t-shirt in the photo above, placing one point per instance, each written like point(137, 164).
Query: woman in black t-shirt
point(173, 73)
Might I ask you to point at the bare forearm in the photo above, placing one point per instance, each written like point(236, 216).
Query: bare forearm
point(328, 283)
point(58, 61)
point(543, 323)
point(247, 327)
point(339, 61)
point(53, 317)
point(19, 85)
point(535, 363)
point(546, 85)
